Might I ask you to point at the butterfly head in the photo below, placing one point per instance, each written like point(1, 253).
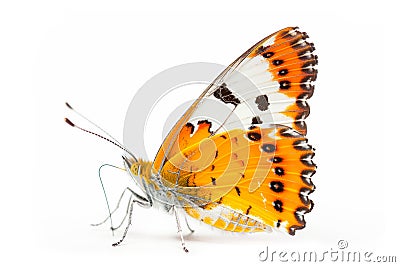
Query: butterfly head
point(132, 164)
point(138, 168)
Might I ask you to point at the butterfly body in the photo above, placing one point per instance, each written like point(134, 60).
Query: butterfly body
point(156, 194)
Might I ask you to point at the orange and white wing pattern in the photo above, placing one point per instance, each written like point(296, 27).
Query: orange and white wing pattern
point(284, 71)
point(241, 146)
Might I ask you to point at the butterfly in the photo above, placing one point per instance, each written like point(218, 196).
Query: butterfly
point(238, 159)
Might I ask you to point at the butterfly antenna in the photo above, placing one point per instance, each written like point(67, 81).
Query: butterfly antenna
point(110, 138)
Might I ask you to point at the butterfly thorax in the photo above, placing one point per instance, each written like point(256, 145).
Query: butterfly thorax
point(141, 170)
point(156, 191)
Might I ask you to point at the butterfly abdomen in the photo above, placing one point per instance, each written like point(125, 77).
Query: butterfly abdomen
point(226, 219)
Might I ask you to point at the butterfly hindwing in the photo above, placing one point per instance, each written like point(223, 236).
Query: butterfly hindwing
point(280, 158)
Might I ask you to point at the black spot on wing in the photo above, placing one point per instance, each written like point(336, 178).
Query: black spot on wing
point(191, 126)
point(283, 72)
point(268, 148)
point(276, 186)
point(225, 95)
point(268, 54)
point(262, 102)
point(256, 120)
point(237, 190)
point(279, 171)
point(276, 160)
point(213, 181)
point(254, 136)
point(248, 210)
point(284, 85)
point(278, 205)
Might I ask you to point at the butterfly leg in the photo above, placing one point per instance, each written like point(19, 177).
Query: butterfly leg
point(127, 227)
point(126, 215)
point(178, 224)
point(116, 208)
point(141, 203)
point(188, 226)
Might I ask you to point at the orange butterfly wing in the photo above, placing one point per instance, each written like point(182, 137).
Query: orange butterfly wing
point(255, 179)
point(291, 64)
point(279, 155)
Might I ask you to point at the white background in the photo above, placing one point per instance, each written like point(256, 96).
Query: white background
point(96, 54)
